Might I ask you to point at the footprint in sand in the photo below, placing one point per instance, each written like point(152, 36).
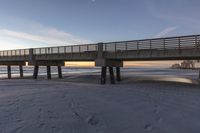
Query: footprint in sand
point(63, 96)
point(38, 116)
point(71, 104)
point(16, 129)
point(11, 103)
point(18, 120)
point(54, 128)
point(159, 119)
point(41, 125)
point(92, 120)
point(40, 110)
point(148, 127)
point(17, 100)
point(157, 109)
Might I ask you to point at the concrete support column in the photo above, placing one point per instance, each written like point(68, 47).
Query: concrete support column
point(112, 77)
point(9, 71)
point(103, 75)
point(118, 74)
point(199, 74)
point(21, 71)
point(35, 73)
point(48, 72)
point(59, 72)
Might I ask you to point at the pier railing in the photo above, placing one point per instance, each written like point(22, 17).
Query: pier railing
point(170, 43)
point(65, 49)
point(19, 52)
point(162, 44)
point(50, 50)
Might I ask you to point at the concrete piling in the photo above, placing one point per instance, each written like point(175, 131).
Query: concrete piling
point(103, 75)
point(59, 72)
point(112, 77)
point(21, 71)
point(199, 74)
point(9, 71)
point(118, 74)
point(35, 73)
point(48, 72)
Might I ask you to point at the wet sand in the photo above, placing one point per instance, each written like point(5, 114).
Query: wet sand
point(78, 104)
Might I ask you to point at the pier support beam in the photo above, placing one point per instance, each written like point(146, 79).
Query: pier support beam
point(35, 73)
point(48, 72)
point(118, 74)
point(9, 71)
point(112, 77)
point(102, 62)
point(21, 71)
point(103, 74)
point(59, 72)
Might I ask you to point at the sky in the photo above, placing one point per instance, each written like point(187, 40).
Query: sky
point(41, 23)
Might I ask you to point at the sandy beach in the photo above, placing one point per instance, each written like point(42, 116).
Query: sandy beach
point(145, 101)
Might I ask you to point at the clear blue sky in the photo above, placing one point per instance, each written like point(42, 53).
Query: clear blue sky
point(35, 23)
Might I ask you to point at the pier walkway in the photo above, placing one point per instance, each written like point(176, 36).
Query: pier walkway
point(105, 55)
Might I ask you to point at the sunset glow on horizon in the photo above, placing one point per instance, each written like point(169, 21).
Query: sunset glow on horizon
point(126, 63)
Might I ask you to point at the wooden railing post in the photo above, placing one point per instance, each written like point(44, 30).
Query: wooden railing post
point(31, 55)
point(150, 48)
point(164, 45)
point(179, 44)
point(196, 43)
point(72, 50)
point(137, 47)
point(150, 44)
point(126, 50)
point(115, 49)
point(126, 46)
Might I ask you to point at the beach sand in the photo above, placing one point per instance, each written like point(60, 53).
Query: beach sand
point(78, 104)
